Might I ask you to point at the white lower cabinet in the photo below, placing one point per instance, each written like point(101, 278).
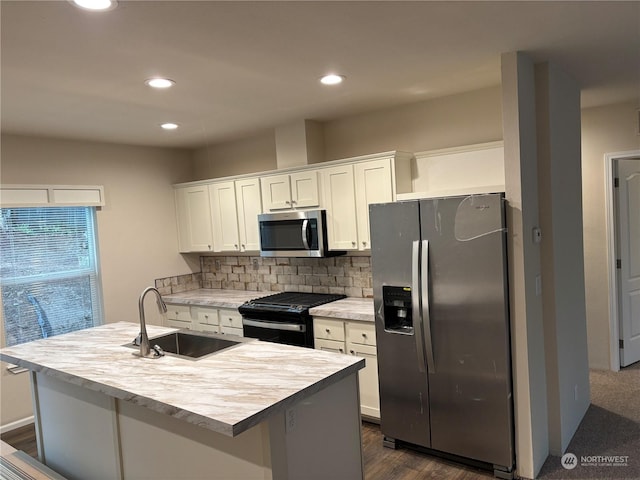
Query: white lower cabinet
point(230, 322)
point(205, 319)
point(179, 316)
point(354, 338)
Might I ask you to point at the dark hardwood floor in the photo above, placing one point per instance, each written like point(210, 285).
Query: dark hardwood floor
point(379, 463)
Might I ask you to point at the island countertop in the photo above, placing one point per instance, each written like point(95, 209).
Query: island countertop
point(227, 392)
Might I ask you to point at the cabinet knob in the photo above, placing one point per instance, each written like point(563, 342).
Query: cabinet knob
point(328, 331)
point(364, 335)
point(209, 247)
point(243, 247)
point(294, 201)
point(206, 316)
point(364, 244)
point(353, 244)
point(341, 350)
point(287, 202)
point(352, 352)
point(235, 245)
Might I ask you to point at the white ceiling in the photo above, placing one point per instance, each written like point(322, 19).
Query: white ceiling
point(241, 67)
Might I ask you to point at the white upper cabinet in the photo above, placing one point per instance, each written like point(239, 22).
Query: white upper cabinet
point(339, 197)
point(235, 206)
point(374, 184)
point(290, 191)
point(249, 206)
point(224, 217)
point(194, 219)
point(349, 189)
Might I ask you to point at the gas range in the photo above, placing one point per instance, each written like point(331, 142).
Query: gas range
point(283, 317)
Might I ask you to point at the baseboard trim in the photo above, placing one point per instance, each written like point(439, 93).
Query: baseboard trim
point(17, 424)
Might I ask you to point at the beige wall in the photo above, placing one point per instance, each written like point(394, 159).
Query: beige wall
point(607, 129)
point(563, 296)
point(248, 155)
point(527, 336)
point(463, 119)
point(136, 229)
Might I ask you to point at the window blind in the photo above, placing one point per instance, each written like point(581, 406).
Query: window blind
point(49, 271)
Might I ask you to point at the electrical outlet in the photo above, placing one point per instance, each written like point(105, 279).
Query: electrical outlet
point(290, 418)
point(218, 264)
point(255, 263)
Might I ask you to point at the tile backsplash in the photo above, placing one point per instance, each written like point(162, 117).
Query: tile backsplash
point(347, 275)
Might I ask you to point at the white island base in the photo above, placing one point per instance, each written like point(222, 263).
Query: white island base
point(84, 434)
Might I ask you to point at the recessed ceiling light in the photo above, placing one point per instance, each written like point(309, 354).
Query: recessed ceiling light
point(159, 82)
point(95, 5)
point(332, 79)
point(169, 126)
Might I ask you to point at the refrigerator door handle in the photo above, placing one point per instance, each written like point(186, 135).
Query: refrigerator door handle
point(424, 267)
point(415, 305)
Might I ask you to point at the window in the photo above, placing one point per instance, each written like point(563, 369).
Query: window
point(49, 272)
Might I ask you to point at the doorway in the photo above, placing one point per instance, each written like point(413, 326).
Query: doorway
point(623, 209)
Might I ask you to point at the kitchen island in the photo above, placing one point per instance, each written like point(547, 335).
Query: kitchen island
point(253, 411)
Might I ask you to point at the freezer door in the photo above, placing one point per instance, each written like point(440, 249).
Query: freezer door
point(404, 395)
point(470, 379)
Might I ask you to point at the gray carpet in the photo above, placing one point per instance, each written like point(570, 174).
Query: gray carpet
point(611, 427)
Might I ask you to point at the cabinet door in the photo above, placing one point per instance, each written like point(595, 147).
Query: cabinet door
point(194, 219)
point(368, 377)
point(276, 192)
point(249, 203)
point(340, 203)
point(304, 189)
point(224, 216)
point(373, 185)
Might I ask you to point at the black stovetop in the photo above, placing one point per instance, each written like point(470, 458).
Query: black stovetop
point(300, 301)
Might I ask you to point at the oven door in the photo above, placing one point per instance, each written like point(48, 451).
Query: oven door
point(289, 333)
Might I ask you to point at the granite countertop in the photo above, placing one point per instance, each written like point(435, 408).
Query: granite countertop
point(227, 392)
point(350, 308)
point(207, 297)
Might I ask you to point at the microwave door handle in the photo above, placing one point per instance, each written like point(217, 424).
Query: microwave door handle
point(305, 233)
point(415, 305)
point(426, 314)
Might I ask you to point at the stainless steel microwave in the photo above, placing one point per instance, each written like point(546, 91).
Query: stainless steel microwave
point(294, 234)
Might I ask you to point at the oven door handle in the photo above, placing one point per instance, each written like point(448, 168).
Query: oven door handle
point(291, 327)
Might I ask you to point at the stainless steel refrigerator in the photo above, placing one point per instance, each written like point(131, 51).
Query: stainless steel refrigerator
point(442, 326)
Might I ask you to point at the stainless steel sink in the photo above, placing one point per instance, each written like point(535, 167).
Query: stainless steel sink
point(185, 343)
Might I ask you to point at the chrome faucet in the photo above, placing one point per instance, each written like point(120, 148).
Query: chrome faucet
point(145, 348)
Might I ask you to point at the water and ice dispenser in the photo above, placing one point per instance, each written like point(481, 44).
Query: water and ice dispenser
point(398, 316)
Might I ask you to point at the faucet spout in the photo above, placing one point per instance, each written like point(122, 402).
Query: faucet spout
point(145, 348)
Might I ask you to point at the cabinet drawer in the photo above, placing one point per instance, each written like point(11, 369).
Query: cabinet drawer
point(324, 328)
point(361, 333)
point(207, 316)
point(178, 323)
point(230, 318)
point(362, 350)
point(179, 312)
point(231, 331)
point(329, 345)
point(204, 327)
